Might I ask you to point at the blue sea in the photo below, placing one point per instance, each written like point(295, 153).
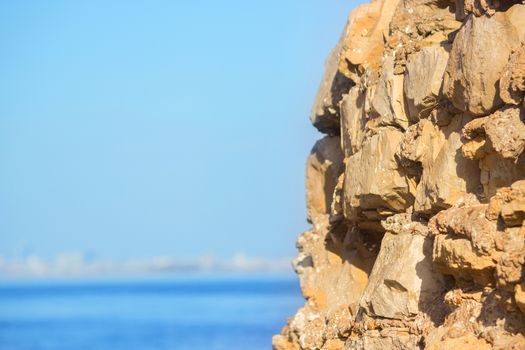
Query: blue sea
point(175, 313)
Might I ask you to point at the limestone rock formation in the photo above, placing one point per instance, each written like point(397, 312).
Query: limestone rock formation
point(416, 196)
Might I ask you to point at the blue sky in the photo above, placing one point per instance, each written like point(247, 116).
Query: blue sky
point(145, 128)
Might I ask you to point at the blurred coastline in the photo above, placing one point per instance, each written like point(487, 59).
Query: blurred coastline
point(81, 266)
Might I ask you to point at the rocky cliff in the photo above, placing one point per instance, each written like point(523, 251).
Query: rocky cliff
point(416, 194)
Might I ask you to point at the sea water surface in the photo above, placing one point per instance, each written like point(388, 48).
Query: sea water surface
point(172, 313)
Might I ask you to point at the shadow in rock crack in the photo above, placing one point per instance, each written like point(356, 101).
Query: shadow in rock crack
point(494, 312)
point(356, 252)
point(354, 246)
point(434, 286)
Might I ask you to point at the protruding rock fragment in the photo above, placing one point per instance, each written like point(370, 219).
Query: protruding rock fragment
point(417, 24)
point(353, 121)
point(403, 278)
point(513, 207)
point(373, 178)
point(498, 142)
point(364, 38)
point(446, 175)
point(512, 83)
point(481, 7)
point(497, 172)
point(309, 326)
point(520, 296)
point(506, 131)
point(388, 103)
point(423, 80)
point(325, 115)
point(282, 342)
point(465, 244)
point(473, 70)
point(324, 165)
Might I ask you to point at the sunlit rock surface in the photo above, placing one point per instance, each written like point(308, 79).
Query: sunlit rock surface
point(416, 196)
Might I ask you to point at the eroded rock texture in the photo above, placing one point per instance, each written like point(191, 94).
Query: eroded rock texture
point(416, 194)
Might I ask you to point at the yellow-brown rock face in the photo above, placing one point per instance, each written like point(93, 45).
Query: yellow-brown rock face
point(416, 196)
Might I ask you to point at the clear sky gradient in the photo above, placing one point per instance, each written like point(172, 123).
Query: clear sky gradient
point(145, 128)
